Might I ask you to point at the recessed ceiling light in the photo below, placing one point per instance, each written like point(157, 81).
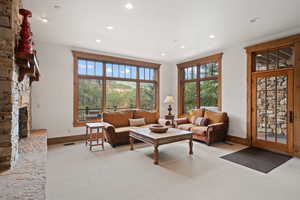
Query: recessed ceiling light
point(212, 36)
point(109, 27)
point(259, 55)
point(254, 19)
point(163, 54)
point(129, 6)
point(98, 41)
point(182, 46)
point(44, 19)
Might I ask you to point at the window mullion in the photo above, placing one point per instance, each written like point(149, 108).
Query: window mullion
point(138, 85)
point(198, 103)
point(198, 94)
point(104, 88)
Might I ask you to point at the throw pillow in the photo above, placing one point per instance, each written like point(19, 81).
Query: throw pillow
point(137, 122)
point(215, 117)
point(200, 121)
point(195, 113)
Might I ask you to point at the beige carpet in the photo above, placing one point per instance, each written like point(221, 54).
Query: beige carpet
point(75, 173)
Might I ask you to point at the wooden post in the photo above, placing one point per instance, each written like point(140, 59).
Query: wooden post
point(297, 100)
point(156, 154)
point(131, 139)
point(191, 145)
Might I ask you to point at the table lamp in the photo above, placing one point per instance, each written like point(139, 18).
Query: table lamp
point(169, 100)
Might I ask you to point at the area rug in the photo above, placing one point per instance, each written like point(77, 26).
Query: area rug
point(257, 159)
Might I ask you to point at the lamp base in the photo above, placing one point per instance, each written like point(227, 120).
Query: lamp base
point(170, 110)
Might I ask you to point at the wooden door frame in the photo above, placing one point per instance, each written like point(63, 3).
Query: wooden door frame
point(289, 72)
point(294, 41)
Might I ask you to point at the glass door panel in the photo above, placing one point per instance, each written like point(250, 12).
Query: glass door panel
point(282, 109)
point(271, 106)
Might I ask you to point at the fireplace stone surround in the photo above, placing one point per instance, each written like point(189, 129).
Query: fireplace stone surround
point(13, 94)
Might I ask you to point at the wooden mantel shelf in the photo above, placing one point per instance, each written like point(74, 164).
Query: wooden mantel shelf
point(28, 64)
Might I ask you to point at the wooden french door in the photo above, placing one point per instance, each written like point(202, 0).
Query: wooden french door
point(272, 109)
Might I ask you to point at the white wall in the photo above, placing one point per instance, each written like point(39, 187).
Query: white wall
point(168, 86)
point(234, 82)
point(234, 89)
point(53, 95)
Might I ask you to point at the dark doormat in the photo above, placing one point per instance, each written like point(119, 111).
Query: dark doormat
point(257, 159)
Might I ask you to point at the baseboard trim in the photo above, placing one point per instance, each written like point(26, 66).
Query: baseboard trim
point(297, 154)
point(39, 131)
point(239, 140)
point(65, 139)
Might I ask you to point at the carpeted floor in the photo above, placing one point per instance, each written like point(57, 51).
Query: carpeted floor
point(74, 173)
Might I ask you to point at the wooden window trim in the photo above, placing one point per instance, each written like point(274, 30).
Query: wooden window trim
point(114, 60)
point(209, 59)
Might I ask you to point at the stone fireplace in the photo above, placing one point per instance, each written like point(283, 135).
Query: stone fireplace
point(14, 94)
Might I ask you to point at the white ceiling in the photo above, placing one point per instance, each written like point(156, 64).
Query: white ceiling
point(156, 26)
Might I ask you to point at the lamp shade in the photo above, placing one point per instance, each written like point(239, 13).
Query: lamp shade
point(169, 100)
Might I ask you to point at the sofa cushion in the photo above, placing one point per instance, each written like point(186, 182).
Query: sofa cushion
point(186, 127)
point(137, 122)
point(123, 129)
point(182, 120)
point(118, 119)
point(215, 117)
point(199, 130)
point(151, 117)
point(200, 121)
point(195, 113)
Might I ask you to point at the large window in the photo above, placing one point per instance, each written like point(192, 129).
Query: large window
point(199, 84)
point(104, 83)
point(120, 95)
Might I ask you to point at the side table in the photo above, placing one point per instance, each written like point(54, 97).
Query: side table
point(94, 137)
point(170, 118)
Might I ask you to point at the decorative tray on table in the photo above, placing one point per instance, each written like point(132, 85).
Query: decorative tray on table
point(159, 129)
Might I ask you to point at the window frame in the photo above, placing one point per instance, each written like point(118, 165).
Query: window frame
point(217, 58)
point(77, 55)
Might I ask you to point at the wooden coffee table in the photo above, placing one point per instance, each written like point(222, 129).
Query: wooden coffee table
point(155, 139)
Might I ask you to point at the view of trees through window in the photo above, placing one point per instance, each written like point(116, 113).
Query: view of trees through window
point(114, 86)
point(202, 78)
point(208, 93)
point(147, 93)
point(120, 95)
point(89, 98)
point(189, 95)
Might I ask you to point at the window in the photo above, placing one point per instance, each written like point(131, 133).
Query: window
point(89, 98)
point(275, 59)
point(199, 84)
point(189, 95)
point(209, 93)
point(104, 83)
point(148, 96)
point(120, 95)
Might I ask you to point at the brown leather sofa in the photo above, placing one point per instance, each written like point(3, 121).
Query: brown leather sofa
point(117, 127)
point(215, 131)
